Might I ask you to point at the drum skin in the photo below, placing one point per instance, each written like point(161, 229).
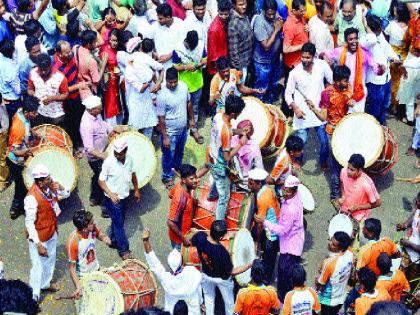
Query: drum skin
point(389, 154)
point(51, 135)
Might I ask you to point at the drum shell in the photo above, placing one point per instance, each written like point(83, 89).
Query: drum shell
point(388, 156)
point(52, 136)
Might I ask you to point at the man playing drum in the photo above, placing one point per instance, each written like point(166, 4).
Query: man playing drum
point(267, 207)
point(41, 210)
point(81, 247)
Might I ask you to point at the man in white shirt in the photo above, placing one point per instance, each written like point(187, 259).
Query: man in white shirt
point(199, 20)
point(303, 94)
point(378, 86)
point(41, 209)
point(319, 28)
point(115, 178)
point(180, 283)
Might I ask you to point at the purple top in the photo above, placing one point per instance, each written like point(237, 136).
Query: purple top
point(289, 227)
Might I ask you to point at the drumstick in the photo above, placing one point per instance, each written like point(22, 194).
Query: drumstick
point(404, 179)
point(64, 297)
point(304, 96)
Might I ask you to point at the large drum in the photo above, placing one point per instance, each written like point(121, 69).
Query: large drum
point(307, 199)
point(238, 214)
point(270, 128)
point(128, 286)
point(343, 223)
point(51, 135)
point(60, 163)
point(240, 245)
point(141, 149)
point(361, 133)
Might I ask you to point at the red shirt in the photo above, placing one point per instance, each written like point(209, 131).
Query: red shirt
point(217, 44)
point(177, 9)
point(293, 35)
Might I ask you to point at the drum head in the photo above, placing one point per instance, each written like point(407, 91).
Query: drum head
point(100, 295)
point(60, 163)
point(261, 119)
point(52, 135)
point(357, 133)
point(243, 252)
point(307, 198)
point(340, 223)
point(142, 152)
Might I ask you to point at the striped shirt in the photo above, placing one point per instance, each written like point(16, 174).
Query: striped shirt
point(17, 19)
point(70, 72)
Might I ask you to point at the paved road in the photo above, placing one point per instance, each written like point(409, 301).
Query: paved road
point(153, 208)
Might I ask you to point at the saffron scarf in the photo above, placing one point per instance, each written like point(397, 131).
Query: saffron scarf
point(358, 90)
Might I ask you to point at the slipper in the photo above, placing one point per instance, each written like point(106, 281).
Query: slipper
point(410, 152)
point(197, 137)
point(169, 183)
point(14, 214)
point(54, 287)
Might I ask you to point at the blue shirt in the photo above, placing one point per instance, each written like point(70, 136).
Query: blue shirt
point(4, 31)
point(9, 79)
point(24, 70)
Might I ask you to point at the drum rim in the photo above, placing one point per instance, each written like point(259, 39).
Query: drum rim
point(334, 144)
point(233, 253)
point(312, 195)
point(54, 149)
point(70, 143)
point(339, 215)
point(147, 179)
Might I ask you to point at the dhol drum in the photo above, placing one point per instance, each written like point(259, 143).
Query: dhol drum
point(60, 163)
point(128, 286)
point(270, 128)
point(238, 214)
point(141, 149)
point(307, 199)
point(361, 133)
point(343, 223)
point(51, 135)
point(240, 245)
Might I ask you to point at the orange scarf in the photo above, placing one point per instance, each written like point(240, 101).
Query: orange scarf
point(358, 90)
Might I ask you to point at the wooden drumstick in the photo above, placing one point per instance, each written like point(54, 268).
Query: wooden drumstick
point(404, 179)
point(64, 297)
point(304, 96)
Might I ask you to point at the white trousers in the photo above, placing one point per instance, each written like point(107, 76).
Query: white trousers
point(226, 289)
point(42, 267)
point(359, 107)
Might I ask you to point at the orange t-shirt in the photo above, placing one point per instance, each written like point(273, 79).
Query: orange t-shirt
point(370, 252)
point(293, 35)
point(180, 212)
point(364, 303)
point(283, 166)
point(301, 301)
point(255, 300)
point(395, 284)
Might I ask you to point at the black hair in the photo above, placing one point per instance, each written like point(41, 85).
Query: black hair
point(257, 272)
point(147, 45)
point(58, 4)
point(107, 11)
point(23, 5)
point(186, 170)
point(199, 3)
point(151, 310)
point(234, 104)
point(171, 74)
point(30, 104)
point(16, 296)
point(387, 307)
point(325, 5)
point(164, 9)
point(384, 263)
point(116, 32)
point(7, 48)
point(418, 196)
point(139, 7)
point(298, 275)
point(297, 3)
point(180, 308)
point(224, 5)
point(125, 36)
point(343, 239)
point(31, 27)
point(43, 61)
point(357, 161)
point(88, 37)
point(192, 39)
point(222, 63)
point(402, 11)
point(270, 5)
point(353, 4)
point(368, 278)
point(349, 31)
point(341, 72)
point(294, 143)
point(81, 219)
point(374, 23)
point(373, 226)
point(309, 48)
point(218, 229)
point(31, 42)
point(73, 27)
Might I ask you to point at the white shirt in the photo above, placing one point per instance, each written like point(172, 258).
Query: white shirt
point(140, 24)
point(31, 209)
point(191, 23)
point(311, 85)
point(117, 176)
point(320, 35)
point(396, 33)
point(382, 51)
point(21, 53)
point(415, 237)
point(186, 285)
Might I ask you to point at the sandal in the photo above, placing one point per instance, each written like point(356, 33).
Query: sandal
point(197, 137)
point(54, 287)
point(14, 214)
point(169, 183)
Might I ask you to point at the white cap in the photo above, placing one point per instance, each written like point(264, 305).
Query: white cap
point(40, 171)
point(258, 174)
point(92, 101)
point(291, 181)
point(120, 144)
point(174, 260)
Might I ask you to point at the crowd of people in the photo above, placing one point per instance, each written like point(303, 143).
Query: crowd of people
point(162, 68)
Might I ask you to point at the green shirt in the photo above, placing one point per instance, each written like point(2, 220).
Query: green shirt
point(340, 24)
point(95, 9)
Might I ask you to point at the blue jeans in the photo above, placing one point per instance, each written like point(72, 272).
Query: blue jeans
point(267, 77)
point(176, 246)
point(117, 233)
point(335, 169)
point(323, 141)
point(378, 100)
point(221, 188)
point(195, 101)
point(172, 156)
point(148, 132)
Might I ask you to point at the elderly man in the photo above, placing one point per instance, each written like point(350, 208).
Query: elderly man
point(42, 209)
point(291, 234)
point(180, 283)
point(116, 175)
point(95, 132)
point(319, 28)
point(348, 17)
